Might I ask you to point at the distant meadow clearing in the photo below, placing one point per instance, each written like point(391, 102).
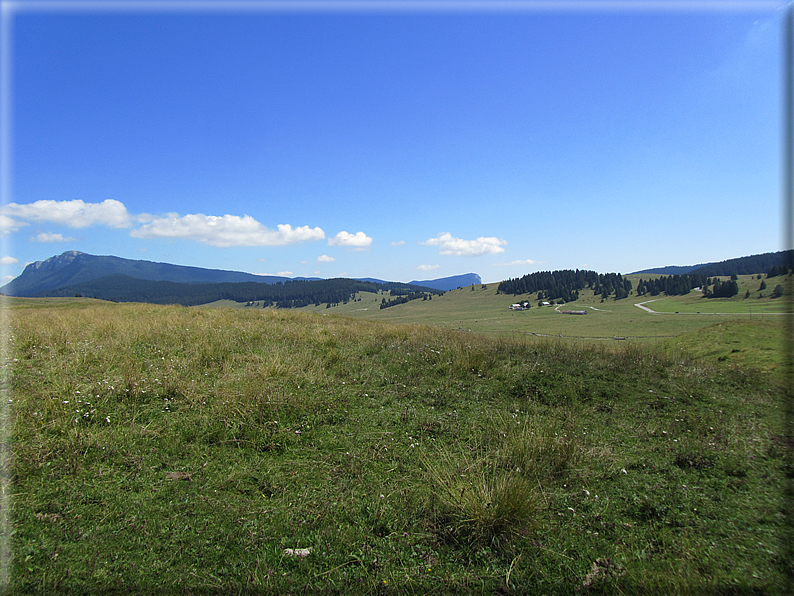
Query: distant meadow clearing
point(232, 451)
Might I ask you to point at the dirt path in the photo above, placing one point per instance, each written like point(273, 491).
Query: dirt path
point(655, 312)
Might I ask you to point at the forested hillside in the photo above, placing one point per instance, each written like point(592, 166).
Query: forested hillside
point(748, 265)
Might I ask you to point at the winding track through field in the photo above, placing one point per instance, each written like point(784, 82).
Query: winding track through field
point(656, 312)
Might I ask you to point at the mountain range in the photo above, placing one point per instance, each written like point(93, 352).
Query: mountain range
point(73, 269)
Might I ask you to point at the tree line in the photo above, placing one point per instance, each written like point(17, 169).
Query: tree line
point(680, 285)
point(407, 297)
point(672, 285)
point(566, 284)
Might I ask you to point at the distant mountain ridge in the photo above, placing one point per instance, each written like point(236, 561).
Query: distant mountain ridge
point(77, 272)
point(445, 284)
point(449, 283)
point(73, 267)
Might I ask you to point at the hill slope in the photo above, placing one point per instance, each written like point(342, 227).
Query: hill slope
point(749, 265)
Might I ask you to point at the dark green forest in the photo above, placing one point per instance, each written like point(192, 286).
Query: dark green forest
point(407, 298)
point(566, 284)
point(781, 260)
point(672, 285)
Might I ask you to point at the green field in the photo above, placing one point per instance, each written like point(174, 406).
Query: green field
point(681, 319)
point(184, 450)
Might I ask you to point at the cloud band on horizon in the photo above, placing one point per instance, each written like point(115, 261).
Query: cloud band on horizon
point(74, 214)
point(221, 231)
point(225, 231)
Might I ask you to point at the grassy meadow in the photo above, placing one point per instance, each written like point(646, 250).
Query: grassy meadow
point(233, 451)
point(691, 322)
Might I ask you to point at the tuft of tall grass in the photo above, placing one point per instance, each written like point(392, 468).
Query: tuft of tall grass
point(539, 446)
point(492, 488)
point(482, 501)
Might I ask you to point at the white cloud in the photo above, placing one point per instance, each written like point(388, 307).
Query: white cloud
point(74, 214)
point(9, 225)
point(228, 230)
point(285, 273)
point(8, 261)
point(400, 243)
point(49, 238)
point(325, 259)
point(428, 267)
point(524, 262)
point(148, 217)
point(358, 240)
point(449, 245)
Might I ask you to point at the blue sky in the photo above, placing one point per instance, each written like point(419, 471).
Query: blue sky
point(402, 144)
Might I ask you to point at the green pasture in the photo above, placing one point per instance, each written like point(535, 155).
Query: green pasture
point(692, 321)
point(694, 303)
point(757, 343)
point(191, 451)
point(682, 321)
point(484, 311)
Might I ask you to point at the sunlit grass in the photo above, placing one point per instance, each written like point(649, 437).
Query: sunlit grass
point(183, 450)
point(482, 310)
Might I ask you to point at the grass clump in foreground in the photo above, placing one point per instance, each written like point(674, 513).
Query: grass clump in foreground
point(184, 450)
